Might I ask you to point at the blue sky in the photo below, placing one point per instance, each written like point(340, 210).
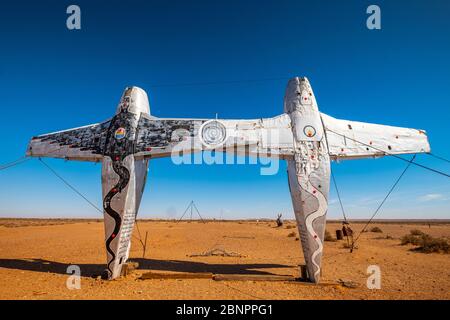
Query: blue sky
point(52, 79)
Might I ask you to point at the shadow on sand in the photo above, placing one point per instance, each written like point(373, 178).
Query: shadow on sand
point(92, 270)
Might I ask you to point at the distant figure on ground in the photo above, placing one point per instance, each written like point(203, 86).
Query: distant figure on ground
point(279, 221)
point(348, 232)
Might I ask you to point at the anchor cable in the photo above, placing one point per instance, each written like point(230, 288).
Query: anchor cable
point(343, 213)
point(85, 198)
point(384, 200)
point(393, 155)
point(14, 163)
point(339, 196)
point(69, 185)
point(438, 157)
point(191, 84)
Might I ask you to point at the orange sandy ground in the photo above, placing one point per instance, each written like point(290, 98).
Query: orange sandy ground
point(34, 260)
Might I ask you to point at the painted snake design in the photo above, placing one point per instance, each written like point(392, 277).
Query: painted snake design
point(304, 182)
point(124, 178)
point(321, 211)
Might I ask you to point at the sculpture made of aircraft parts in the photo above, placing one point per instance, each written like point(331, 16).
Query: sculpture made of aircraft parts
point(304, 137)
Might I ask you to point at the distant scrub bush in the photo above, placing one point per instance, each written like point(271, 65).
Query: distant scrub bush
point(292, 234)
point(435, 245)
point(410, 239)
point(387, 237)
point(416, 232)
point(328, 236)
point(426, 243)
point(376, 229)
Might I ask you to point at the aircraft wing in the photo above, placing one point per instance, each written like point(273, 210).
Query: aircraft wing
point(83, 143)
point(353, 140)
point(162, 137)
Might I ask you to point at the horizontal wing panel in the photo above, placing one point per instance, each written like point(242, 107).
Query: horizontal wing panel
point(264, 137)
point(158, 137)
point(161, 137)
point(83, 143)
point(353, 140)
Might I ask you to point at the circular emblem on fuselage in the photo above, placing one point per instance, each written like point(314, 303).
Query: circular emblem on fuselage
point(213, 133)
point(309, 131)
point(120, 133)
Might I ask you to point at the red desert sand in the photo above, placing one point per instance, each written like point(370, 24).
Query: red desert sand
point(35, 255)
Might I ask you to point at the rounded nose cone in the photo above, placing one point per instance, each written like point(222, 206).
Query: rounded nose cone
point(298, 92)
point(140, 98)
point(135, 100)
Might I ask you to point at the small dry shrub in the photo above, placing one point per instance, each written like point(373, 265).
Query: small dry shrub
point(431, 244)
point(292, 234)
point(376, 230)
point(426, 243)
point(387, 237)
point(410, 239)
point(416, 232)
point(329, 237)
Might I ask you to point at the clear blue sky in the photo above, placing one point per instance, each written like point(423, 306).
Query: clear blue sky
point(52, 79)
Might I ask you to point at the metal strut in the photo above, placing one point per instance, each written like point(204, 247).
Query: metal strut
point(191, 206)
